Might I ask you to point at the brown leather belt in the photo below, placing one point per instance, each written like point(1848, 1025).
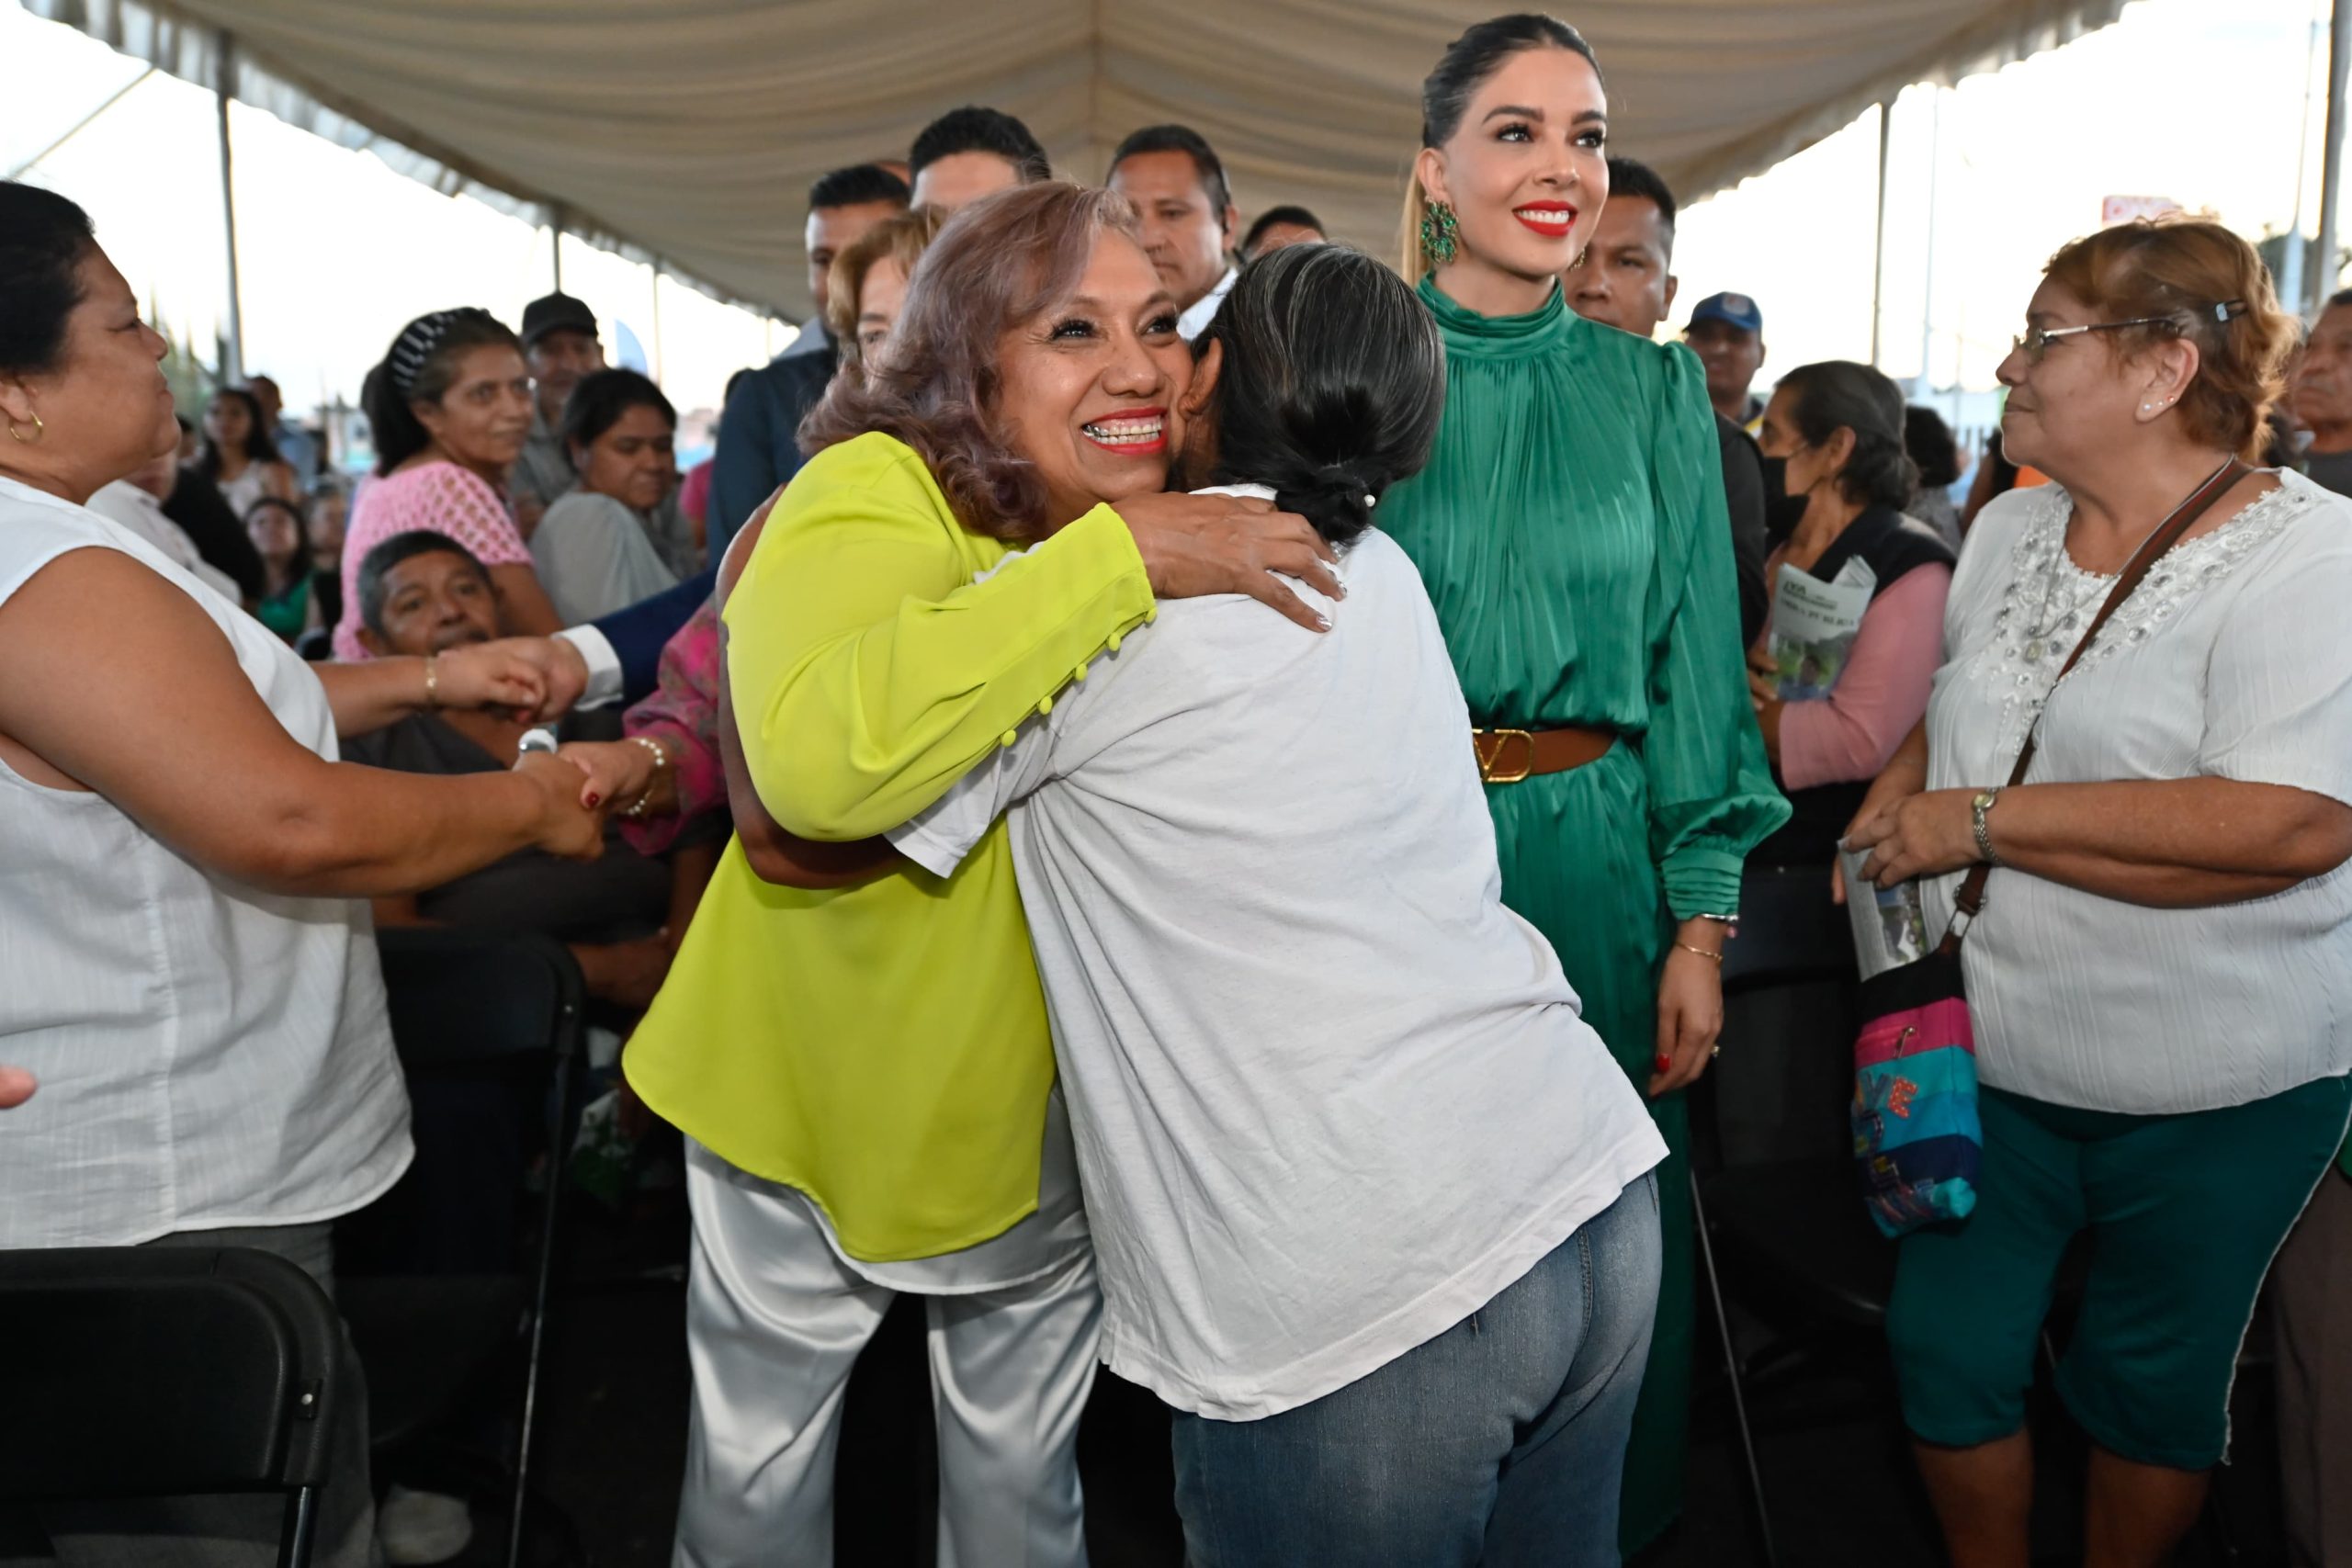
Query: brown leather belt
point(1506, 756)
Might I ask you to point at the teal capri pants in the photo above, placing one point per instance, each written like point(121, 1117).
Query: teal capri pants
point(2185, 1212)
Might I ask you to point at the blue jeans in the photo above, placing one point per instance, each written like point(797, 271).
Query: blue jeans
point(1501, 1441)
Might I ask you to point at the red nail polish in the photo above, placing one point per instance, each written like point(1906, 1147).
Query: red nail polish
point(1664, 1061)
point(594, 801)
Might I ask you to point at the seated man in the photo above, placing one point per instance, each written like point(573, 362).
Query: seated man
point(423, 593)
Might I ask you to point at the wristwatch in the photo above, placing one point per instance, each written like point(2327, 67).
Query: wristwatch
point(1976, 810)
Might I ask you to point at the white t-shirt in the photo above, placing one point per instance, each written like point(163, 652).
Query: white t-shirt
point(209, 1054)
point(2230, 661)
point(1329, 1095)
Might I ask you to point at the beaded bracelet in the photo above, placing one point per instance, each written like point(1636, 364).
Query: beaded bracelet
point(636, 811)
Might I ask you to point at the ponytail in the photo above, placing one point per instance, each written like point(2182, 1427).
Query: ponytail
point(420, 368)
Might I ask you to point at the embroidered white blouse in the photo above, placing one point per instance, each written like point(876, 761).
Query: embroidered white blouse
point(2230, 661)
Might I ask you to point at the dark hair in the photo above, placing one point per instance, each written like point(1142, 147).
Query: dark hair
point(1631, 176)
point(420, 368)
point(1929, 441)
point(1332, 387)
point(998, 263)
point(1193, 145)
point(260, 445)
point(299, 566)
point(597, 403)
point(43, 238)
point(203, 513)
point(858, 185)
point(1460, 71)
point(1840, 394)
point(1297, 217)
point(2341, 297)
point(976, 129)
point(378, 564)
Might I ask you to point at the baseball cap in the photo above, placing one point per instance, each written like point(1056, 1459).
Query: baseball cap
point(550, 313)
point(1737, 310)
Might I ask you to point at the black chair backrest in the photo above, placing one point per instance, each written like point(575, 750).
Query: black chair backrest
point(462, 996)
point(163, 1371)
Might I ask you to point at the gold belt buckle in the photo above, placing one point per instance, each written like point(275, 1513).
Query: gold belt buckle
point(1489, 757)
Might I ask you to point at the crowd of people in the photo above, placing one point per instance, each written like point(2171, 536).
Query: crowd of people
point(1185, 798)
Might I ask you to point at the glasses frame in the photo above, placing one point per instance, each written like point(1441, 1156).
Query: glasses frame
point(2037, 340)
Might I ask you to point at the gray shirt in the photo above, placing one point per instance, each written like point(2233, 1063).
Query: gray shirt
point(544, 472)
point(593, 556)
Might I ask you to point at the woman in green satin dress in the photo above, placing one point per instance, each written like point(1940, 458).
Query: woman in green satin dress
point(1571, 532)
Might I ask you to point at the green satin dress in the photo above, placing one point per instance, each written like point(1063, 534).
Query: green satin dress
point(1572, 531)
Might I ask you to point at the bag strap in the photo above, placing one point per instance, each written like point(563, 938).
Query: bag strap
point(1970, 899)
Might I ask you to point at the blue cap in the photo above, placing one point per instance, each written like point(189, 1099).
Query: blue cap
point(1737, 310)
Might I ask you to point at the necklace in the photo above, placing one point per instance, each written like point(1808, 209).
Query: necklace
point(2037, 634)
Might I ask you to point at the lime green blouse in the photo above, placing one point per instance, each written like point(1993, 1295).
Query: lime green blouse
point(883, 1048)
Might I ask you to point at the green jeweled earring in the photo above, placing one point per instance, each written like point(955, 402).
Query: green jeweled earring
point(1439, 232)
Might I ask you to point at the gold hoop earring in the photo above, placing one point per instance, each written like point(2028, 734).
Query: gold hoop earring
point(17, 434)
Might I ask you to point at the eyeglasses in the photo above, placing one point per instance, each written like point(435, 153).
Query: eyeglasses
point(2037, 340)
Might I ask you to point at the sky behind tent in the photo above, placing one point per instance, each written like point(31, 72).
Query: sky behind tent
point(2201, 101)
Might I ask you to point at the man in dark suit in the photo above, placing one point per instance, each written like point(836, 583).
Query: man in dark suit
point(758, 445)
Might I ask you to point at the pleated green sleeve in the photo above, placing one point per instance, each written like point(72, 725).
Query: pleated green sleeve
point(1711, 795)
point(869, 672)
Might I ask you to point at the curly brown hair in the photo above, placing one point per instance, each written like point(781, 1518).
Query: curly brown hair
point(996, 264)
point(2211, 289)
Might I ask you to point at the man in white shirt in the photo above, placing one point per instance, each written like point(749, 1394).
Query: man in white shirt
point(1179, 187)
point(137, 503)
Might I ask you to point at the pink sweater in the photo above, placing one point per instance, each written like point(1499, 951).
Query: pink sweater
point(1882, 693)
point(434, 498)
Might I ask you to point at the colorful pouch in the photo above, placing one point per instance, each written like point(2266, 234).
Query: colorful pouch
point(1918, 1139)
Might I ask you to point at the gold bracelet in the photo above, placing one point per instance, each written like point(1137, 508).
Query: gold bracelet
point(431, 682)
point(1700, 950)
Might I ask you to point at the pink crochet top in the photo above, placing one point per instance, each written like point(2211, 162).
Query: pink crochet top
point(439, 498)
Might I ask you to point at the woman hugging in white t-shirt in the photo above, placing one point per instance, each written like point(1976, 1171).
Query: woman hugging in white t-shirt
point(1372, 1205)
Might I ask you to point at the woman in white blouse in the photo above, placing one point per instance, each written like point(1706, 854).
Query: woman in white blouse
point(186, 966)
point(2161, 978)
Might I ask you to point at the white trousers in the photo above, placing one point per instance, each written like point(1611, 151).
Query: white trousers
point(775, 1321)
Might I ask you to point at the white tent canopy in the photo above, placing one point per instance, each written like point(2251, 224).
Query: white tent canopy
point(688, 130)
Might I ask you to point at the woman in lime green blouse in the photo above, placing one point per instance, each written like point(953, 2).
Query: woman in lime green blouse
point(1571, 529)
point(858, 1051)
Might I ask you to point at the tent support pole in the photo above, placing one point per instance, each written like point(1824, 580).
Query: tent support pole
point(83, 124)
point(224, 82)
point(1878, 252)
point(1927, 284)
point(657, 318)
point(555, 241)
point(2319, 279)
